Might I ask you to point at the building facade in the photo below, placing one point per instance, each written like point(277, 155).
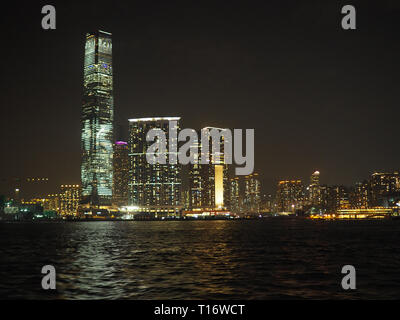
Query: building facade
point(235, 195)
point(384, 188)
point(52, 202)
point(121, 173)
point(314, 189)
point(360, 196)
point(70, 197)
point(154, 188)
point(252, 194)
point(290, 195)
point(97, 120)
point(209, 183)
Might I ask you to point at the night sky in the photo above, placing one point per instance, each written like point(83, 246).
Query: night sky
point(318, 97)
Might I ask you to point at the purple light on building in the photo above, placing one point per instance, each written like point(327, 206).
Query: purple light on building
point(121, 143)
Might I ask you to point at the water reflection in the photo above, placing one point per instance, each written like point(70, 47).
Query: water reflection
point(200, 259)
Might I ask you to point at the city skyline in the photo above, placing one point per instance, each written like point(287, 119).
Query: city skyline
point(152, 85)
point(197, 158)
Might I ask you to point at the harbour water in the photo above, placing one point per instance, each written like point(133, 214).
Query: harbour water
point(257, 259)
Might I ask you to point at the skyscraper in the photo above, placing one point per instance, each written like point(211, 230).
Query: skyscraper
point(341, 197)
point(252, 193)
point(209, 183)
point(360, 196)
point(121, 173)
point(97, 119)
point(384, 185)
point(235, 199)
point(314, 189)
point(290, 196)
point(154, 188)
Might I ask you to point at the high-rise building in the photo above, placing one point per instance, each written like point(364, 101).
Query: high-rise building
point(70, 197)
point(327, 200)
point(360, 196)
point(314, 189)
point(185, 199)
point(209, 183)
point(97, 119)
point(121, 173)
point(252, 193)
point(383, 186)
point(314, 179)
point(155, 188)
point(267, 203)
point(290, 195)
point(198, 177)
point(235, 199)
point(340, 196)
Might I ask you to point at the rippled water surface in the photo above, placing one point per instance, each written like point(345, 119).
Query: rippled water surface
point(269, 259)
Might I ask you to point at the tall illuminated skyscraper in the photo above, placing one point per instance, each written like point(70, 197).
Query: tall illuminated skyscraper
point(97, 119)
point(209, 183)
point(314, 189)
point(154, 188)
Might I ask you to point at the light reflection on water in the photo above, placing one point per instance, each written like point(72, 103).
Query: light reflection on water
point(272, 259)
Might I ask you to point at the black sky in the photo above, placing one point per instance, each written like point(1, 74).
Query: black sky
point(317, 96)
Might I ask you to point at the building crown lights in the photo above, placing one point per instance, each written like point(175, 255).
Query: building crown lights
point(155, 119)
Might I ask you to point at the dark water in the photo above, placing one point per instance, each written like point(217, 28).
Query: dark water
point(272, 259)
